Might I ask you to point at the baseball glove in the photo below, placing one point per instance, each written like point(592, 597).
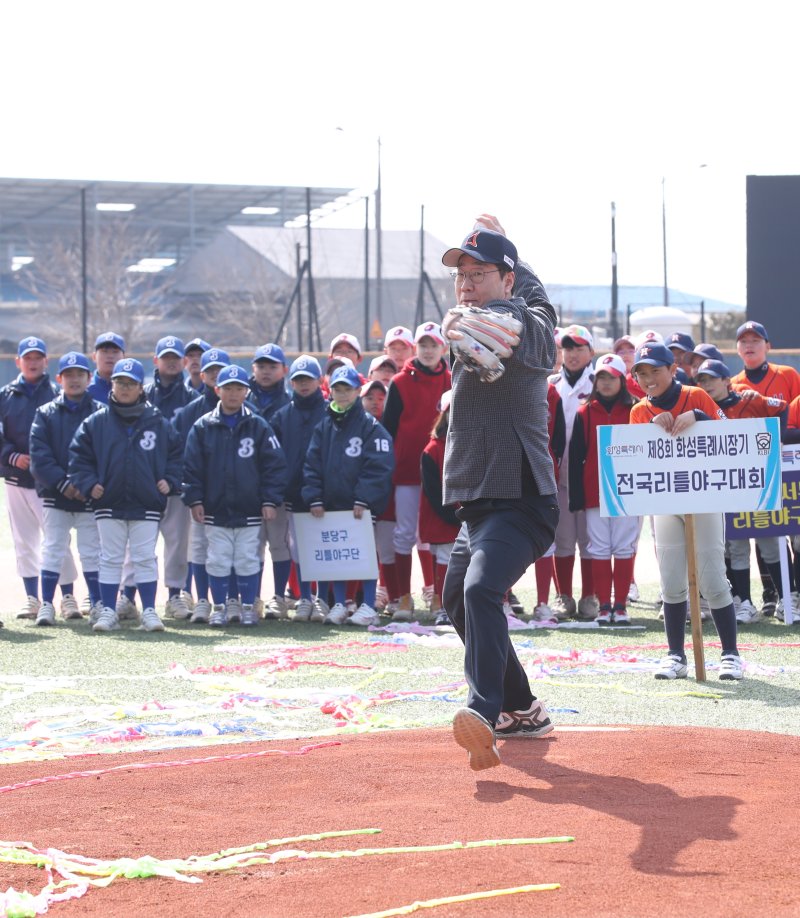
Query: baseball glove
point(486, 337)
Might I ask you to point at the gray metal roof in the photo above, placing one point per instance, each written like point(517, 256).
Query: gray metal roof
point(185, 216)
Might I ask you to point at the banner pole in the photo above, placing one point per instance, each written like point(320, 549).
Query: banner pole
point(694, 600)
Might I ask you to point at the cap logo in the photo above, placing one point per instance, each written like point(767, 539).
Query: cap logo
point(32, 342)
point(473, 240)
point(608, 359)
point(645, 351)
point(169, 342)
point(72, 360)
point(676, 337)
point(302, 363)
point(429, 327)
point(212, 354)
point(127, 366)
point(233, 372)
point(398, 332)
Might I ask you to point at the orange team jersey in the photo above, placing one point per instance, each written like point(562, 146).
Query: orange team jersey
point(780, 382)
point(793, 419)
point(690, 398)
point(756, 407)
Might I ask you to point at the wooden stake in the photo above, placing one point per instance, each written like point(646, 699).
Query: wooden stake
point(694, 600)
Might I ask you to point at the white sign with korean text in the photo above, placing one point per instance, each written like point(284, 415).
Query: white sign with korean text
point(715, 467)
point(336, 547)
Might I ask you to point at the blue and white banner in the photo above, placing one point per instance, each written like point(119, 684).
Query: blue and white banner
point(715, 467)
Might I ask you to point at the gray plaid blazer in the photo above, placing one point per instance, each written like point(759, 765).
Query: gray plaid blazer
point(493, 424)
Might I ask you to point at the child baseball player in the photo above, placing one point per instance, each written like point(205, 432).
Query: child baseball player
point(127, 458)
point(399, 344)
point(192, 357)
point(19, 401)
point(770, 379)
point(108, 349)
point(234, 478)
point(348, 466)
point(212, 361)
point(382, 368)
point(294, 426)
point(676, 408)
point(64, 507)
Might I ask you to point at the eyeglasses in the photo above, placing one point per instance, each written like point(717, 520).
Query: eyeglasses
point(474, 277)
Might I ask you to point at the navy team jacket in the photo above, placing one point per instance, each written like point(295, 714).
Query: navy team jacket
point(184, 418)
point(54, 426)
point(168, 399)
point(233, 471)
point(294, 426)
point(127, 460)
point(18, 405)
point(350, 461)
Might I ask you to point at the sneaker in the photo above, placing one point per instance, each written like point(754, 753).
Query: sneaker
point(381, 598)
point(126, 608)
point(94, 612)
point(543, 613)
point(201, 612)
point(633, 593)
point(70, 607)
point(219, 616)
point(276, 608)
point(30, 608)
point(391, 607)
point(47, 614)
point(176, 608)
point(588, 608)
point(564, 607)
point(107, 620)
point(364, 615)
point(620, 614)
point(337, 615)
point(258, 605)
point(768, 609)
point(151, 621)
point(475, 734)
point(86, 606)
point(249, 615)
point(402, 615)
point(604, 615)
point(747, 614)
point(731, 667)
point(187, 597)
point(303, 610)
point(515, 604)
point(233, 607)
point(442, 618)
point(672, 667)
point(321, 610)
point(533, 722)
point(780, 610)
point(427, 594)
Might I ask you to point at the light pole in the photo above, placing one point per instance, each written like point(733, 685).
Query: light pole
point(664, 237)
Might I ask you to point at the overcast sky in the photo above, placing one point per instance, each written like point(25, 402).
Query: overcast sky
point(542, 113)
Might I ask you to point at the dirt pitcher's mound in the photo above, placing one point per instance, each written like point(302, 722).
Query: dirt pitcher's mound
point(666, 822)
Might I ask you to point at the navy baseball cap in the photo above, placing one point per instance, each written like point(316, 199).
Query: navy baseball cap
point(483, 245)
point(346, 375)
point(109, 339)
point(170, 345)
point(710, 352)
point(755, 327)
point(214, 357)
point(273, 352)
point(655, 355)
point(681, 341)
point(232, 374)
point(74, 359)
point(31, 344)
point(129, 368)
point(305, 365)
point(196, 344)
point(714, 368)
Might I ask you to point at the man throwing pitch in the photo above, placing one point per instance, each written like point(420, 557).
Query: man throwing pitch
point(498, 468)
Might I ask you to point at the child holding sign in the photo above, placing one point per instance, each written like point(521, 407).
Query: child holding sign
point(675, 408)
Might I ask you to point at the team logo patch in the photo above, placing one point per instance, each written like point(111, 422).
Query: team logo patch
point(72, 360)
point(127, 366)
point(473, 240)
point(148, 440)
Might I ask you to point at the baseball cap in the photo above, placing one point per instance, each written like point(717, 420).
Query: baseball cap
point(714, 368)
point(74, 359)
point(680, 340)
point(344, 338)
point(273, 352)
point(429, 330)
point(381, 360)
point(557, 333)
point(576, 335)
point(214, 357)
point(655, 355)
point(755, 327)
point(710, 352)
point(169, 345)
point(111, 339)
point(610, 364)
point(305, 365)
point(371, 384)
point(232, 374)
point(196, 344)
point(129, 368)
point(346, 375)
point(31, 344)
point(483, 245)
point(648, 337)
point(620, 342)
point(398, 333)
point(335, 362)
